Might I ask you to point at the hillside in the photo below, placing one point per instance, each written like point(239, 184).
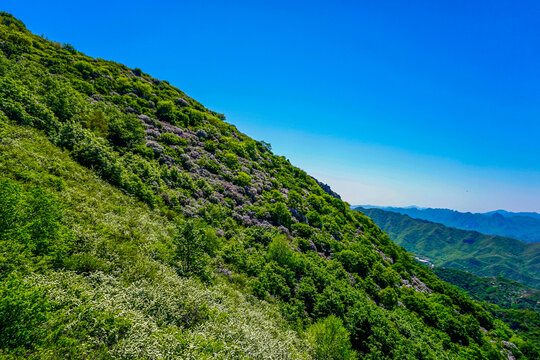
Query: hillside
point(136, 223)
point(520, 226)
point(497, 290)
point(516, 304)
point(483, 255)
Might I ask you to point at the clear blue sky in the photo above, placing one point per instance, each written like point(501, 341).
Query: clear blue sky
point(432, 103)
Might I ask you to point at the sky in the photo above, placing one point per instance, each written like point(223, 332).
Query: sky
point(392, 103)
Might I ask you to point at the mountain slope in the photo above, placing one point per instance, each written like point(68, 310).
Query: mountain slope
point(483, 255)
point(513, 214)
point(136, 223)
point(520, 226)
point(516, 304)
point(497, 290)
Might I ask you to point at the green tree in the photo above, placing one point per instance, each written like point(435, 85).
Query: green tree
point(166, 110)
point(281, 214)
point(190, 243)
point(330, 340)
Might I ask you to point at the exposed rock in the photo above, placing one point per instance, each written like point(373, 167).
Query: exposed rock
point(508, 345)
point(416, 284)
point(420, 286)
point(283, 229)
point(181, 102)
point(297, 214)
point(152, 133)
point(386, 258)
point(326, 188)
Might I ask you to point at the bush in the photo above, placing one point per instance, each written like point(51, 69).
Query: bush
point(23, 310)
point(230, 159)
point(281, 214)
point(388, 297)
point(280, 251)
point(125, 131)
point(84, 68)
point(314, 219)
point(171, 139)
point(96, 121)
point(31, 231)
point(191, 243)
point(242, 179)
point(165, 110)
point(302, 230)
point(330, 340)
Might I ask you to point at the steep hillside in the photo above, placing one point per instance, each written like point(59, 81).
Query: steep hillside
point(483, 255)
point(520, 226)
point(497, 290)
point(98, 281)
point(136, 223)
point(516, 304)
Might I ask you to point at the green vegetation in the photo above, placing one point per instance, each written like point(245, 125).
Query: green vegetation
point(482, 255)
point(506, 293)
point(516, 304)
point(129, 243)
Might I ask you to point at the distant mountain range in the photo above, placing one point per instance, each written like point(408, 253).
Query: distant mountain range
point(524, 226)
point(482, 255)
point(513, 214)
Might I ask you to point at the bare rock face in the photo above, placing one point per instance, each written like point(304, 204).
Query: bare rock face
point(420, 286)
point(180, 102)
point(416, 284)
point(326, 188)
point(131, 110)
point(383, 255)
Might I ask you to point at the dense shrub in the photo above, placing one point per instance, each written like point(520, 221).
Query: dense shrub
point(31, 229)
point(330, 339)
point(171, 139)
point(242, 179)
point(165, 110)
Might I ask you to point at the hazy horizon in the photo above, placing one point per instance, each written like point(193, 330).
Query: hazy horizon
point(434, 104)
point(433, 208)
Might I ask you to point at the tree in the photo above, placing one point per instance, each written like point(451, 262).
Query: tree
point(330, 340)
point(166, 110)
point(281, 214)
point(191, 243)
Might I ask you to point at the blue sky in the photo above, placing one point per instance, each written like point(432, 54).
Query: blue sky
point(432, 103)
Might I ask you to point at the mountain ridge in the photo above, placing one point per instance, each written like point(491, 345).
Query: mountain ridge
point(521, 226)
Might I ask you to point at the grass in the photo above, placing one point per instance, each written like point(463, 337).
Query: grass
point(120, 299)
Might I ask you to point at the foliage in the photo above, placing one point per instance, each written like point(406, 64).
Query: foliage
point(180, 249)
point(331, 340)
point(482, 255)
point(31, 231)
point(506, 293)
